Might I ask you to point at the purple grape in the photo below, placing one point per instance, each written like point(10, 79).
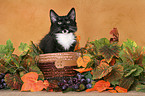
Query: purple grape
point(75, 80)
point(79, 76)
point(83, 81)
point(4, 84)
point(88, 86)
point(2, 80)
point(1, 76)
point(88, 80)
point(60, 84)
point(76, 86)
point(1, 86)
point(64, 87)
point(70, 82)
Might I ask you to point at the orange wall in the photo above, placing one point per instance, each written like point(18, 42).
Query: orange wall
point(25, 20)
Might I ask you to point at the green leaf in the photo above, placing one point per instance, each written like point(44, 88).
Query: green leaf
point(115, 74)
point(3, 50)
point(3, 69)
point(9, 46)
point(134, 70)
point(126, 82)
point(140, 88)
point(138, 71)
point(13, 81)
point(23, 47)
point(130, 72)
point(35, 68)
point(101, 71)
point(130, 44)
point(88, 75)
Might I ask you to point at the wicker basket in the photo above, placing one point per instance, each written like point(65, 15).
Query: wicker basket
point(56, 65)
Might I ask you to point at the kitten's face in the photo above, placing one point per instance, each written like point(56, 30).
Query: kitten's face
point(63, 24)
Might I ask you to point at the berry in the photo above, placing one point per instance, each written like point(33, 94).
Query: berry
point(88, 86)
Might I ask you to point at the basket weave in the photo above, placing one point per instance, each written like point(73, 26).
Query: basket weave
point(56, 65)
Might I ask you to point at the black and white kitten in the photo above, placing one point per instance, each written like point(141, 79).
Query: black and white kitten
point(61, 37)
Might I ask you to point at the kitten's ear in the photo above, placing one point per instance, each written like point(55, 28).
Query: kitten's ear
point(72, 14)
point(53, 16)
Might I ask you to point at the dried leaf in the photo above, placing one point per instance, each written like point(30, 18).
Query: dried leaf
point(109, 51)
point(30, 77)
point(77, 47)
point(112, 91)
point(83, 61)
point(91, 89)
point(102, 70)
point(120, 89)
point(13, 81)
point(31, 83)
point(46, 84)
point(126, 82)
point(81, 70)
point(115, 74)
point(115, 34)
point(101, 85)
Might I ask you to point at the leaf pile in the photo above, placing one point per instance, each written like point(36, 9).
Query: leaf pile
point(123, 67)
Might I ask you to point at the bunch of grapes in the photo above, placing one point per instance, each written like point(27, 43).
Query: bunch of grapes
point(78, 83)
point(2, 81)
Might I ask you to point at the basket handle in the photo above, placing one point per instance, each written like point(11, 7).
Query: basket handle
point(62, 63)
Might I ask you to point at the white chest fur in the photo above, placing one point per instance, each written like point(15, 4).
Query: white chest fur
point(65, 39)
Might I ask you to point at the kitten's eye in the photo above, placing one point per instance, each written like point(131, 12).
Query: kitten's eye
point(67, 22)
point(59, 23)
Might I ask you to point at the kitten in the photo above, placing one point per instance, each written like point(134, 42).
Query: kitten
point(61, 37)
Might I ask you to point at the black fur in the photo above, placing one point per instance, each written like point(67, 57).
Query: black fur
point(49, 43)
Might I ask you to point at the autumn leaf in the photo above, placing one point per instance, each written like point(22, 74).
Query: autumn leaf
point(83, 61)
point(46, 84)
point(30, 77)
point(120, 89)
point(115, 34)
point(31, 83)
point(115, 74)
point(112, 91)
point(13, 81)
point(81, 70)
point(77, 47)
point(91, 89)
point(102, 70)
point(100, 86)
point(109, 51)
point(126, 82)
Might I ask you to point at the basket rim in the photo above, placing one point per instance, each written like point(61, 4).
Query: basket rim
point(64, 53)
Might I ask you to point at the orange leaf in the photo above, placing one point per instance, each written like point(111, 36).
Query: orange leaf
point(81, 70)
point(77, 47)
point(30, 77)
point(83, 61)
point(46, 84)
point(26, 87)
point(89, 90)
point(31, 83)
point(120, 89)
point(110, 88)
point(37, 86)
point(101, 85)
point(112, 91)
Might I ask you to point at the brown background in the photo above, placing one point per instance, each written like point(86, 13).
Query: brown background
point(25, 20)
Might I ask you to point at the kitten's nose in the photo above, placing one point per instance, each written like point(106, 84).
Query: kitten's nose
point(65, 31)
